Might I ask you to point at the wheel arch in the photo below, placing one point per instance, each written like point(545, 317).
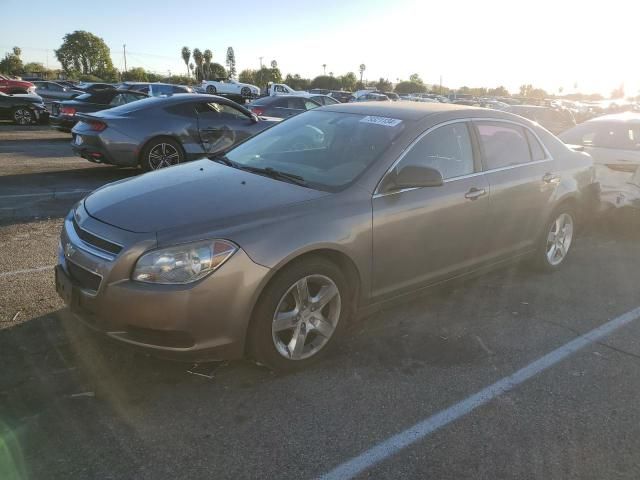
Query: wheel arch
point(155, 138)
point(343, 261)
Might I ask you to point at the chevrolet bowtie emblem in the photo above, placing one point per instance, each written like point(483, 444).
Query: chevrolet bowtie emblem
point(69, 250)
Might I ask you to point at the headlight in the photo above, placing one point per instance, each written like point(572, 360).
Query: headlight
point(183, 263)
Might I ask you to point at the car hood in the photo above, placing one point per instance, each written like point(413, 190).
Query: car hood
point(194, 193)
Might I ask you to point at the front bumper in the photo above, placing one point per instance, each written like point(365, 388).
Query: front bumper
point(206, 320)
point(62, 123)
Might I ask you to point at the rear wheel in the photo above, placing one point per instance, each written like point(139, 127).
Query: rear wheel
point(245, 92)
point(23, 116)
point(554, 246)
point(300, 315)
point(211, 90)
point(160, 153)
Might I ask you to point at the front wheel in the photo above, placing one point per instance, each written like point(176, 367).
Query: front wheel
point(23, 116)
point(161, 153)
point(300, 315)
point(554, 246)
point(211, 90)
point(245, 92)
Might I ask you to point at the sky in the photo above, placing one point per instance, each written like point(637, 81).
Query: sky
point(551, 44)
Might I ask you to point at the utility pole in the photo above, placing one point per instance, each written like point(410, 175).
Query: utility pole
point(124, 52)
point(440, 84)
point(260, 62)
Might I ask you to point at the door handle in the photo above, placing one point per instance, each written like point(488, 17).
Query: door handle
point(209, 129)
point(550, 178)
point(475, 193)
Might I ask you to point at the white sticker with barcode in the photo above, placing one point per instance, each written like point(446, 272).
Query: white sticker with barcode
point(386, 121)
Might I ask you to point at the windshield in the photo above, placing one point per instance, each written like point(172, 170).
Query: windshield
point(329, 150)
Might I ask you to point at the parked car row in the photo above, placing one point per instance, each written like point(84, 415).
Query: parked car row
point(281, 231)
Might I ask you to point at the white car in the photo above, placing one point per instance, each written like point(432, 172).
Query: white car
point(230, 86)
point(614, 143)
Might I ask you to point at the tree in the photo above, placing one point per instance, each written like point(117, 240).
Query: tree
point(265, 75)
point(415, 78)
point(618, 92)
point(274, 64)
point(84, 53)
point(247, 76)
point(231, 62)
point(384, 85)
point(198, 57)
point(186, 56)
point(192, 67)
point(297, 82)
point(136, 74)
point(498, 92)
point(410, 87)
point(207, 55)
point(217, 71)
point(362, 68)
point(326, 82)
point(324, 68)
point(348, 81)
point(11, 64)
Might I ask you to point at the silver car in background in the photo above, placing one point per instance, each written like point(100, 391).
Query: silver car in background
point(614, 143)
point(270, 249)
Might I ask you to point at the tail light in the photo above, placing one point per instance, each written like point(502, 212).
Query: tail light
point(96, 126)
point(257, 111)
point(68, 111)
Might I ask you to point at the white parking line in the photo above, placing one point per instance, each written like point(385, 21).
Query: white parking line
point(45, 194)
point(422, 429)
point(28, 270)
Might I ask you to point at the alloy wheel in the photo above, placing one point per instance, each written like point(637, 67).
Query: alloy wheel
point(306, 317)
point(559, 239)
point(163, 155)
point(23, 116)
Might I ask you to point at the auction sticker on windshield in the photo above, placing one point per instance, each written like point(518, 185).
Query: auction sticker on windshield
point(387, 122)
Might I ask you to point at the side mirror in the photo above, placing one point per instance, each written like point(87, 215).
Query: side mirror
point(411, 176)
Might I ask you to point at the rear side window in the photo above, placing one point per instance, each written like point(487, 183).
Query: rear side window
point(503, 144)
point(537, 152)
point(447, 149)
point(309, 105)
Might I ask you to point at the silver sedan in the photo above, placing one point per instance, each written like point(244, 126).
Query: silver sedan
point(271, 249)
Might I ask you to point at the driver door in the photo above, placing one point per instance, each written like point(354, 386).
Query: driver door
point(220, 126)
point(424, 235)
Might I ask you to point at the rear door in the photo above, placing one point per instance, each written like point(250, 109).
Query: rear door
point(522, 176)
point(423, 235)
point(221, 125)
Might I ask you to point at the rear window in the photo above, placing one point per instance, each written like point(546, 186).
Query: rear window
point(101, 98)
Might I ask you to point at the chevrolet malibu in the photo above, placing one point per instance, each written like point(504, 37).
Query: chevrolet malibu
point(270, 249)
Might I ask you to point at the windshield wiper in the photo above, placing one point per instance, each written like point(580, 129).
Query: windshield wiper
point(277, 174)
point(221, 158)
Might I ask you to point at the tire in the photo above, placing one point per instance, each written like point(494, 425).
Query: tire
point(160, 153)
point(211, 90)
point(245, 91)
point(272, 343)
point(23, 116)
point(552, 250)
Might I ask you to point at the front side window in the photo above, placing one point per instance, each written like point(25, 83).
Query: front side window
point(503, 144)
point(446, 149)
point(220, 110)
point(309, 105)
point(329, 150)
point(604, 135)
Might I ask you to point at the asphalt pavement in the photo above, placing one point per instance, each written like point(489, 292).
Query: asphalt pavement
point(73, 406)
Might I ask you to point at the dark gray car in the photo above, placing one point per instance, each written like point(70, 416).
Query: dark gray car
point(273, 248)
point(282, 106)
point(157, 132)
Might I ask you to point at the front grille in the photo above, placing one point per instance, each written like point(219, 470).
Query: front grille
point(83, 278)
point(95, 241)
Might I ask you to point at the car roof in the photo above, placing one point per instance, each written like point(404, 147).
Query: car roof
point(399, 110)
point(626, 117)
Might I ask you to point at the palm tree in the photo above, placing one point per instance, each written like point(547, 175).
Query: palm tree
point(324, 68)
point(193, 68)
point(198, 57)
point(186, 55)
point(363, 67)
point(208, 55)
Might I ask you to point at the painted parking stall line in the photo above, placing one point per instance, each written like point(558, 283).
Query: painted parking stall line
point(424, 428)
point(27, 270)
